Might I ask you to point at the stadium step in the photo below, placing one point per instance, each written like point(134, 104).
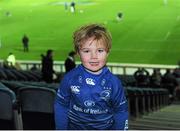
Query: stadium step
point(167, 118)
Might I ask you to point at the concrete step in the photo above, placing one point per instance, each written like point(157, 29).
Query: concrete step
point(167, 118)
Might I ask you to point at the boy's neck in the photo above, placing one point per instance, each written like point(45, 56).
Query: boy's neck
point(94, 72)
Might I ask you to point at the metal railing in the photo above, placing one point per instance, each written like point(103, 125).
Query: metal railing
point(116, 68)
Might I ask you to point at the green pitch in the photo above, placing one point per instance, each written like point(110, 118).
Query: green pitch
point(149, 32)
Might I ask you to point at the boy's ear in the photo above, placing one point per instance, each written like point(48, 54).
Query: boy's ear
point(77, 53)
point(107, 53)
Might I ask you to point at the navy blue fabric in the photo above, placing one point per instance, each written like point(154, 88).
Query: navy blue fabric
point(89, 101)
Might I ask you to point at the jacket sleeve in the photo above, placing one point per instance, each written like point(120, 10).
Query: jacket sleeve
point(61, 105)
point(121, 120)
point(61, 117)
point(120, 107)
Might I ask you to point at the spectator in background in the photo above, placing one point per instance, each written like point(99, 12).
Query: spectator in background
point(119, 16)
point(142, 77)
point(34, 68)
point(8, 13)
point(70, 61)
point(72, 6)
point(25, 41)
point(11, 60)
point(176, 74)
point(47, 67)
point(169, 82)
point(65, 5)
point(155, 78)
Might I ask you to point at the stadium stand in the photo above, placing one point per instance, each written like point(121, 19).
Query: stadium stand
point(19, 75)
point(34, 99)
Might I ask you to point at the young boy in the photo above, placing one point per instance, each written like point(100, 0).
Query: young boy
point(90, 97)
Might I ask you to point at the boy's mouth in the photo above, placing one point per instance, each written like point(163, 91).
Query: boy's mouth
point(94, 63)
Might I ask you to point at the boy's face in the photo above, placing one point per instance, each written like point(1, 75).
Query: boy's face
point(93, 54)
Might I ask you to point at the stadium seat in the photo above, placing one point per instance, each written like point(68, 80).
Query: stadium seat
point(19, 75)
point(2, 85)
point(36, 74)
point(10, 75)
point(3, 75)
point(133, 102)
point(8, 109)
point(29, 75)
point(13, 85)
point(36, 104)
point(42, 84)
point(141, 100)
point(127, 80)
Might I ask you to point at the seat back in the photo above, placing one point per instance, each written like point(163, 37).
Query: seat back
point(3, 75)
point(10, 75)
point(7, 101)
point(37, 107)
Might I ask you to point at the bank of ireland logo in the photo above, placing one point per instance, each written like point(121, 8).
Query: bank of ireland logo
point(75, 89)
point(90, 81)
point(89, 103)
point(105, 95)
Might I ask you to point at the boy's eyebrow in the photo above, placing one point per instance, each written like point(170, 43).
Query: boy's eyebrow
point(89, 48)
point(84, 48)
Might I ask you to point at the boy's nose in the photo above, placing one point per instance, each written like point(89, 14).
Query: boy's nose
point(93, 55)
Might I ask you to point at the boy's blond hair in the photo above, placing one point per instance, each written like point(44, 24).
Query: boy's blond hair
point(97, 31)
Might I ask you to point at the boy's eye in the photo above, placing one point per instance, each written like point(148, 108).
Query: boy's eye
point(101, 50)
point(85, 51)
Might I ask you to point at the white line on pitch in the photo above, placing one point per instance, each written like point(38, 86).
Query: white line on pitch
point(167, 35)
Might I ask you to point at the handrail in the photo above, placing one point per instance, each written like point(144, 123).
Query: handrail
point(116, 68)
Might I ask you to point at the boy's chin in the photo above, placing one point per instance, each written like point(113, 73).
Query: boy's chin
point(94, 70)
